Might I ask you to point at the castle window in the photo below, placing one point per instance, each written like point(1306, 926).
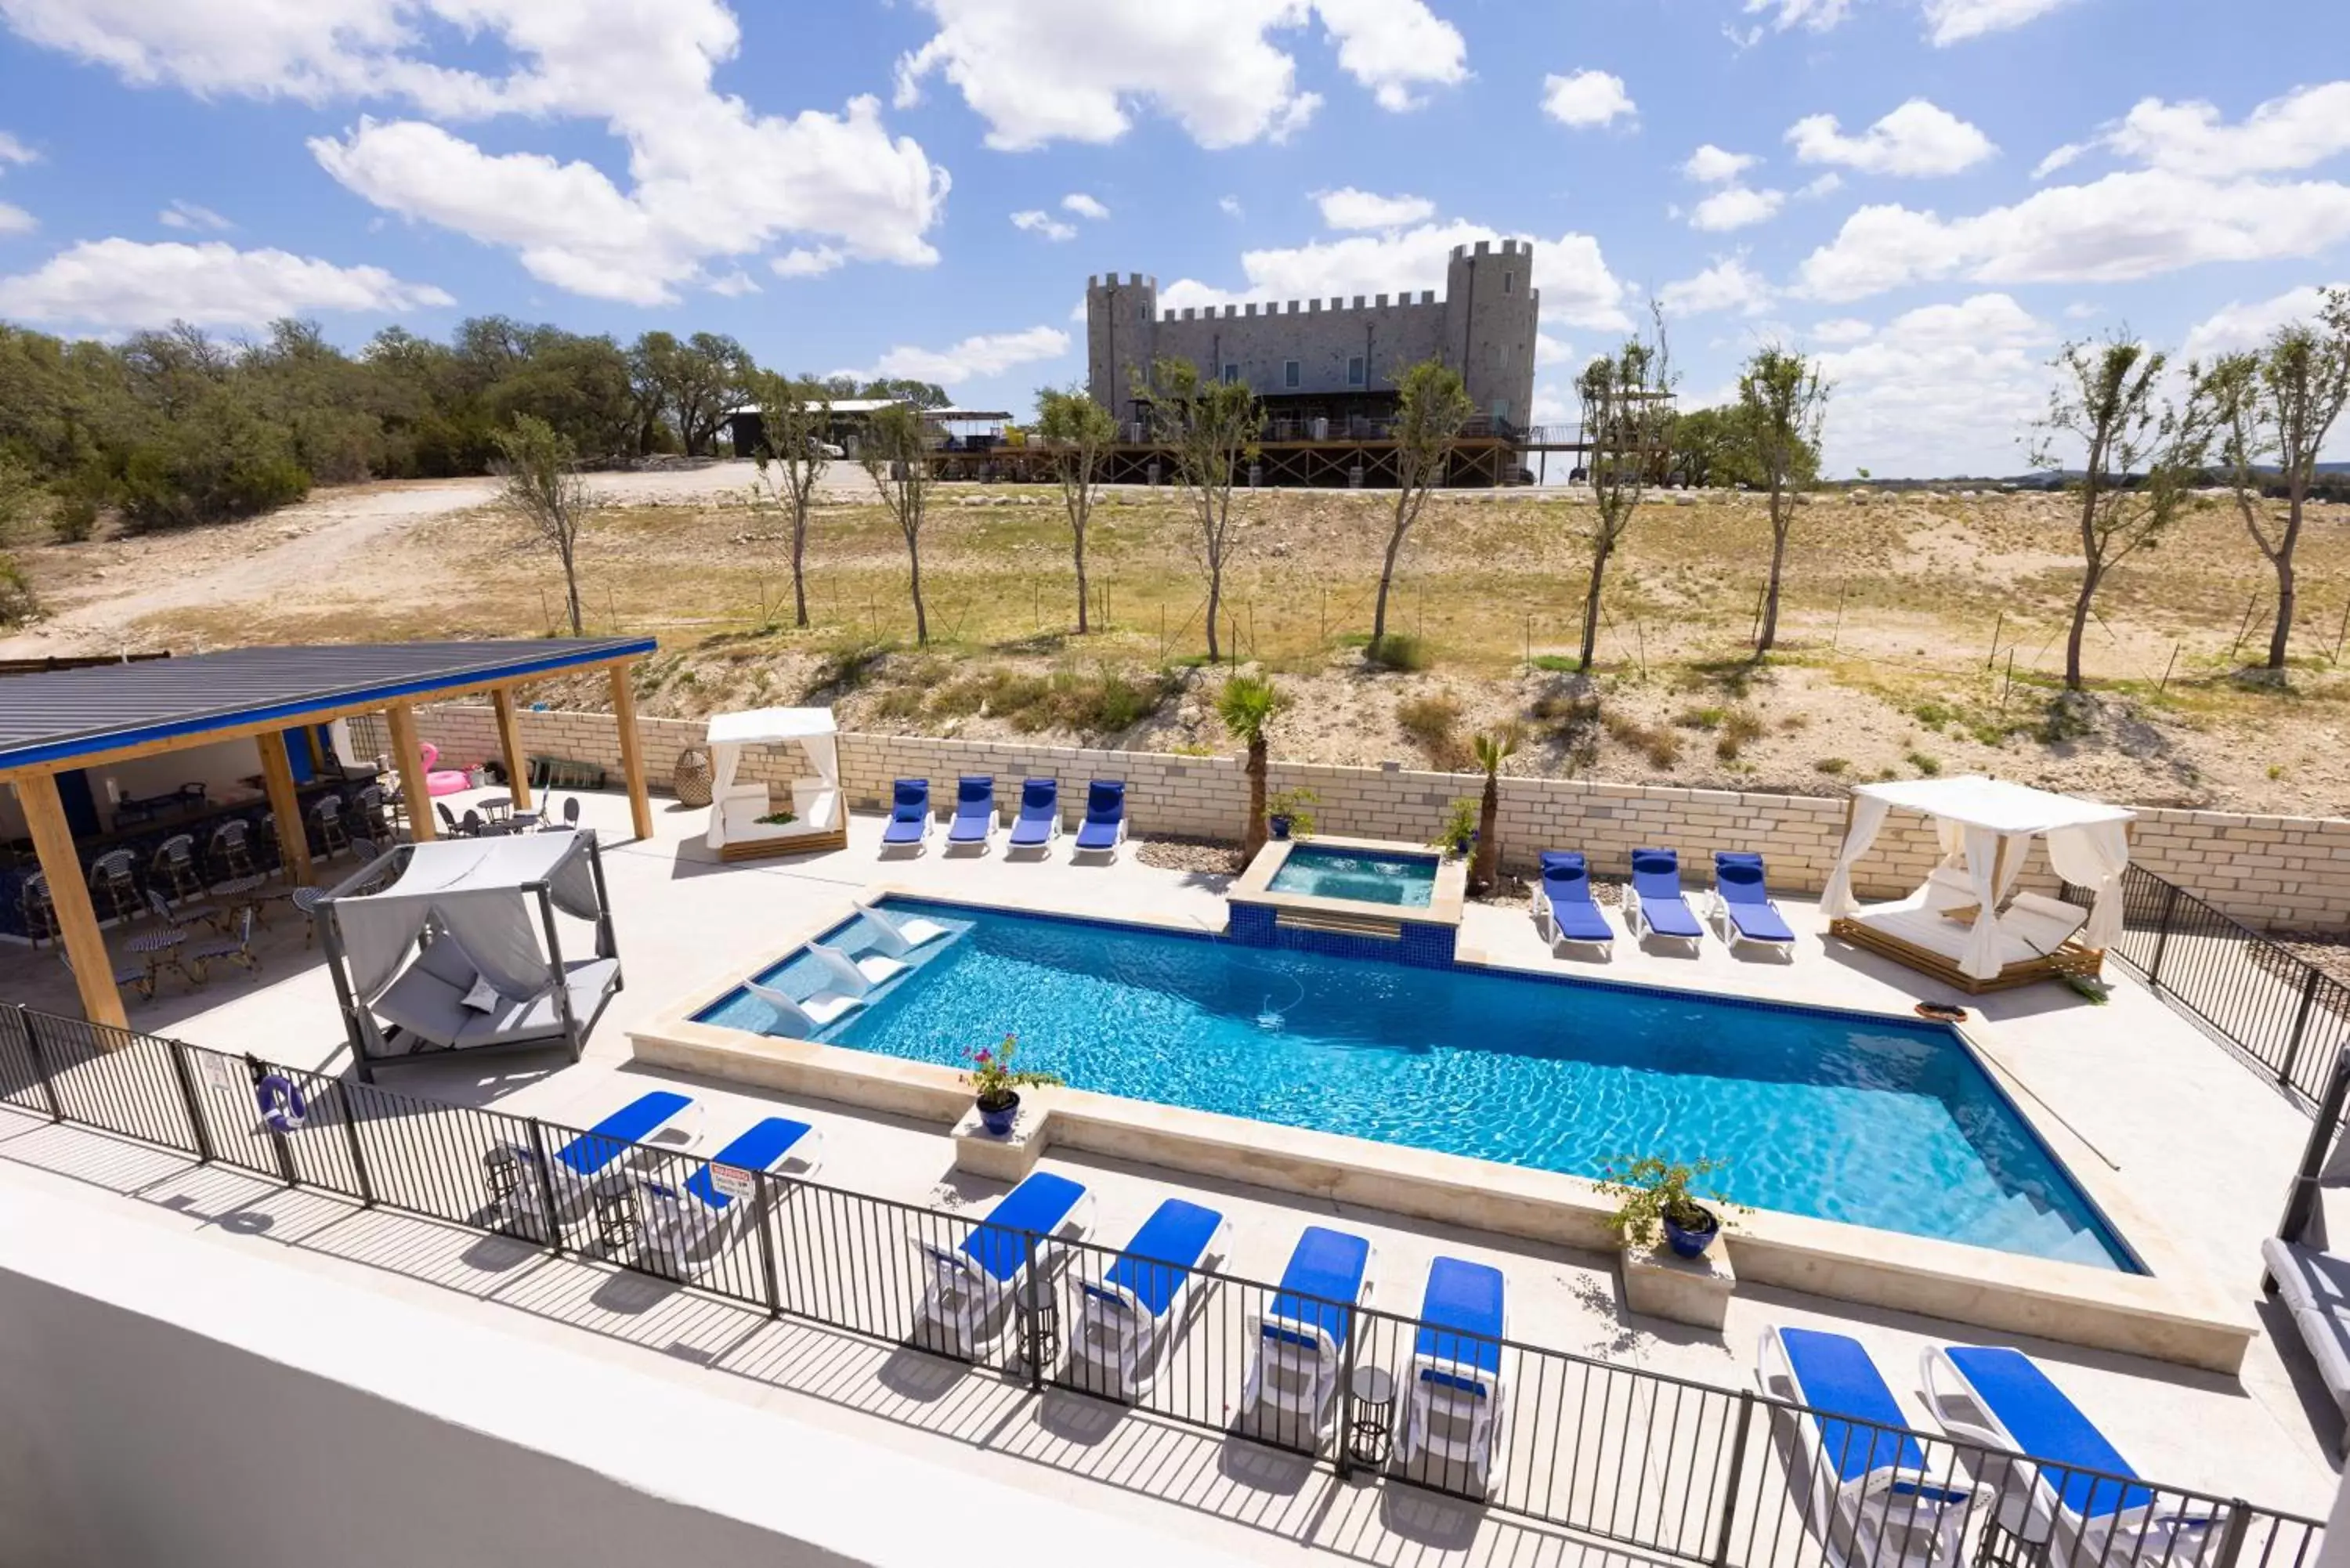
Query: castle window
point(1508, 281)
point(1355, 371)
point(1232, 372)
point(1289, 372)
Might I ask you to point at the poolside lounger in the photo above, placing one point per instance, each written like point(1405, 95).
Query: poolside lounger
point(818, 1012)
point(1653, 905)
point(974, 813)
point(2045, 922)
point(965, 1309)
point(1302, 1335)
point(1127, 1318)
point(1456, 1398)
point(1873, 1502)
point(909, 813)
point(1742, 899)
point(1103, 828)
point(1040, 815)
point(581, 1167)
point(897, 935)
point(2002, 1401)
point(857, 977)
point(1563, 898)
point(686, 1228)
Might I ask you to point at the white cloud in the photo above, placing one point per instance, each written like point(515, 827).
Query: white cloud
point(1550, 350)
point(734, 284)
point(12, 150)
point(1230, 206)
point(1736, 207)
point(119, 284)
point(188, 215)
point(1039, 71)
point(2127, 225)
point(1918, 139)
point(16, 220)
point(1083, 207)
point(1818, 15)
point(2082, 310)
point(990, 354)
point(1045, 223)
point(2062, 157)
point(2304, 128)
point(2238, 326)
point(1727, 285)
point(1352, 209)
point(1828, 184)
point(808, 260)
point(1710, 165)
point(1944, 389)
point(1587, 99)
point(1955, 21)
point(1840, 331)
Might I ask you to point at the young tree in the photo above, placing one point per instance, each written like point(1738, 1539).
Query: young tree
point(2107, 399)
point(544, 489)
point(1627, 426)
point(896, 455)
point(793, 417)
point(1212, 427)
point(1247, 705)
point(2275, 409)
point(1782, 402)
point(906, 390)
point(1494, 748)
point(1080, 432)
point(1432, 406)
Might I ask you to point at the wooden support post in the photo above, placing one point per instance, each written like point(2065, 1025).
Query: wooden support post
point(632, 750)
point(509, 747)
point(409, 758)
point(318, 756)
point(285, 805)
point(45, 816)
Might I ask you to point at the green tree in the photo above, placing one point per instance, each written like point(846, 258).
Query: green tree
point(1080, 432)
point(793, 416)
point(1247, 704)
point(1781, 403)
point(1212, 429)
point(543, 488)
point(1627, 427)
point(694, 384)
point(1492, 748)
point(1431, 407)
point(896, 455)
point(905, 388)
point(1707, 449)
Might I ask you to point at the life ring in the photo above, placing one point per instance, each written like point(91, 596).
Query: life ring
point(281, 1103)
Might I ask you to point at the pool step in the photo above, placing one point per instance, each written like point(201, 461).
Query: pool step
point(1330, 921)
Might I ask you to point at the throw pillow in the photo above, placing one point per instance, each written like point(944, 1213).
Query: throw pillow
point(484, 997)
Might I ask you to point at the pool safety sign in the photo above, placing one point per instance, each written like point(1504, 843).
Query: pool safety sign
point(733, 1182)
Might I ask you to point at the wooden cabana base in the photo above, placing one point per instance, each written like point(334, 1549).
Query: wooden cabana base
point(2071, 959)
point(802, 843)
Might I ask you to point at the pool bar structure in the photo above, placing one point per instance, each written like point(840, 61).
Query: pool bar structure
point(1354, 898)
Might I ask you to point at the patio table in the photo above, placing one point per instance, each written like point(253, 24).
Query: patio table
point(159, 950)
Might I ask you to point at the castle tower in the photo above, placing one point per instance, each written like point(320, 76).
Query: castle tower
point(1122, 337)
point(1491, 307)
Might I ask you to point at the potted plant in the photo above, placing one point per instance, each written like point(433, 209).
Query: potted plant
point(996, 1084)
point(1458, 834)
point(1653, 1194)
point(1290, 811)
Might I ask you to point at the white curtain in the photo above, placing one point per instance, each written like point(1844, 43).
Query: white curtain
point(824, 750)
point(1981, 958)
point(2095, 856)
point(2014, 852)
point(724, 760)
point(1867, 817)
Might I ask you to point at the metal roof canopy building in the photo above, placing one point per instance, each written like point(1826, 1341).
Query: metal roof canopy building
point(58, 720)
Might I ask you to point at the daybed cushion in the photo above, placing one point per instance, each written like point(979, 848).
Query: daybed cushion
point(2315, 1286)
point(445, 959)
point(424, 1004)
point(535, 1017)
point(1912, 923)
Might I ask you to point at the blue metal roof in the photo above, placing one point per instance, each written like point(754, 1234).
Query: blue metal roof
point(56, 716)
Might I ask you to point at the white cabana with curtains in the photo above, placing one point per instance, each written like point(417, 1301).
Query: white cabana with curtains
point(819, 817)
point(1967, 924)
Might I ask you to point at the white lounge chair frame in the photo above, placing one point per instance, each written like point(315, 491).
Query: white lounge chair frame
point(1546, 919)
point(1290, 1379)
point(1468, 1422)
point(821, 1011)
point(857, 977)
point(897, 935)
point(970, 1309)
point(1119, 1339)
point(1718, 915)
point(1635, 920)
point(689, 1235)
point(575, 1193)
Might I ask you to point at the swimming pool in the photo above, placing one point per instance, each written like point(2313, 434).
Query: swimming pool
point(1875, 1122)
point(1408, 881)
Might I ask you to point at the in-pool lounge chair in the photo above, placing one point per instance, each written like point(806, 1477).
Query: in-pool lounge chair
point(967, 1305)
point(974, 813)
point(857, 977)
point(1563, 901)
point(909, 814)
point(1653, 905)
point(1103, 828)
point(1877, 1499)
point(1302, 1335)
point(1742, 900)
point(1127, 1319)
point(581, 1167)
point(2093, 1508)
point(1456, 1401)
point(801, 1019)
point(686, 1228)
point(897, 935)
point(1039, 822)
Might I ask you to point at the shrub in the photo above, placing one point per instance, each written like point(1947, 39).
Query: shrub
point(1557, 663)
point(1700, 718)
point(1831, 765)
point(847, 665)
point(1398, 650)
point(17, 603)
point(215, 465)
point(1429, 721)
point(1741, 726)
point(1657, 742)
point(1925, 764)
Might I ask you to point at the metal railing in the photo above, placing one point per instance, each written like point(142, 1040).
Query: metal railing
point(2282, 1013)
point(1680, 1469)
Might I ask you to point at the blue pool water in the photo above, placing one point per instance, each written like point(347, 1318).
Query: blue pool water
point(1407, 880)
point(1875, 1122)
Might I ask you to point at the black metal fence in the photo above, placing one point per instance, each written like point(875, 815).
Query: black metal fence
point(1680, 1470)
point(2285, 1015)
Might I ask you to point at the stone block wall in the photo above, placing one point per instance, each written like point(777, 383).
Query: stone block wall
point(2267, 871)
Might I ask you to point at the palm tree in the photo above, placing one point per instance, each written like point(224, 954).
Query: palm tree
point(1247, 704)
point(1494, 748)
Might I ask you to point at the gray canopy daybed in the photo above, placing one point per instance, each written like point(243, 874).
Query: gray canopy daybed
point(457, 948)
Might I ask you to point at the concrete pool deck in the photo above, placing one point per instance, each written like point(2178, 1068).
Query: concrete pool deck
point(2191, 1135)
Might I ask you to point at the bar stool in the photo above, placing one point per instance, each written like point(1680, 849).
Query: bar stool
point(174, 866)
point(334, 837)
point(113, 876)
point(40, 914)
point(232, 850)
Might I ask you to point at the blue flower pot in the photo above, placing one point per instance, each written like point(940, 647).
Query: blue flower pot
point(1279, 824)
point(1690, 1243)
point(998, 1123)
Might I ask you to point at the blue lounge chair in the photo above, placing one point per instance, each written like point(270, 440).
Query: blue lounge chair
point(1302, 1332)
point(963, 1310)
point(1563, 897)
point(1875, 1503)
point(1103, 828)
point(909, 813)
point(1040, 814)
point(2002, 1401)
point(974, 813)
point(1126, 1320)
point(1742, 898)
point(1456, 1400)
point(1653, 905)
point(688, 1225)
point(577, 1170)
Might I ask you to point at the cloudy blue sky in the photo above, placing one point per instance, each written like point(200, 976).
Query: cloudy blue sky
point(1932, 194)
